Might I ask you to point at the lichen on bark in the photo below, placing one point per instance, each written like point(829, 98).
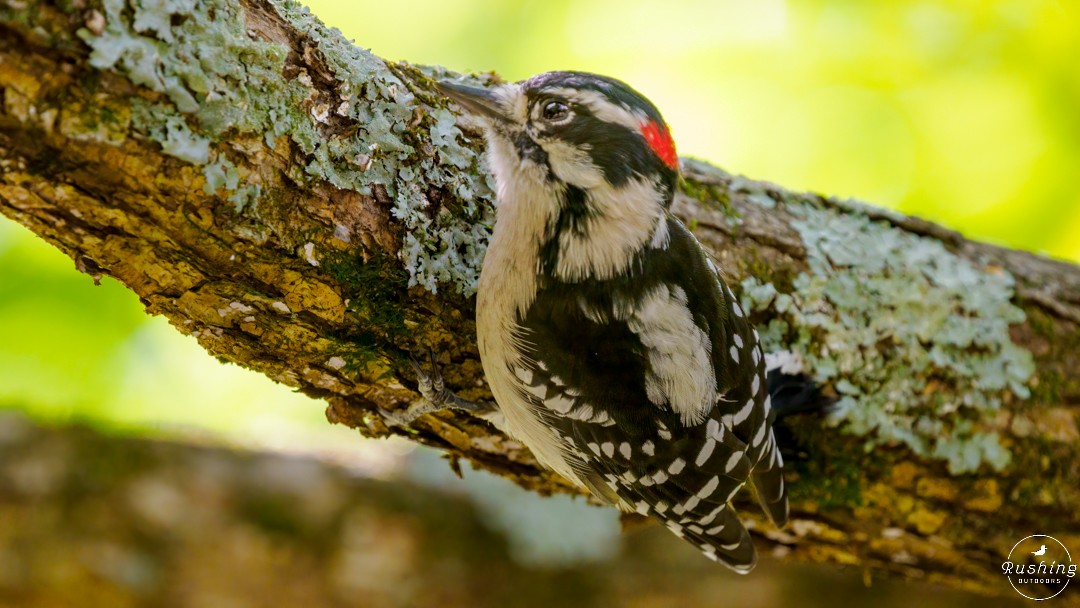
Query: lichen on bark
point(914, 338)
point(355, 118)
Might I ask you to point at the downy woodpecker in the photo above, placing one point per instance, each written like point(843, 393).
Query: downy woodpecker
point(612, 345)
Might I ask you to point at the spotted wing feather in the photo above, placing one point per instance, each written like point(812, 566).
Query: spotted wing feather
point(588, 369)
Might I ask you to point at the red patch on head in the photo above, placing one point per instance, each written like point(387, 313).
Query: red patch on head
point(659, 140)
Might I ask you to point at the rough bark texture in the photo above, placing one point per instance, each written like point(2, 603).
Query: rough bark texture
point(285, 198)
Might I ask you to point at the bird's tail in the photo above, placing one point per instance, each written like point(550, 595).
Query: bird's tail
point(768, 481)
point(791, 389)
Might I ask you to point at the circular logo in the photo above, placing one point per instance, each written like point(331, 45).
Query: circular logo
point(1039, 567)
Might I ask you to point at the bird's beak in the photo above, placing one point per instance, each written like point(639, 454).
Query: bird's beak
point(477, 101)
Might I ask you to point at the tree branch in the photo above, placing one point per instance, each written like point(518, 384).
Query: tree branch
point(310, 211)
point(108, 520)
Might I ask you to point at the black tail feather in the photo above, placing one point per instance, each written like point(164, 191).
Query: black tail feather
point(795, 394)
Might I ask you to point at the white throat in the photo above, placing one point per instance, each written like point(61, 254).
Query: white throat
point(622, 221)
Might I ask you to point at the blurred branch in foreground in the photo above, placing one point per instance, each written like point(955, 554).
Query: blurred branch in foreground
point(88, 519)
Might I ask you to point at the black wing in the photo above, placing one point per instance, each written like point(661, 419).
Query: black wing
point(594, 364)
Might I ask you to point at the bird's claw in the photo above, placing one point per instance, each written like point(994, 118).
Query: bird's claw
point(431, 385)
point(435, 396)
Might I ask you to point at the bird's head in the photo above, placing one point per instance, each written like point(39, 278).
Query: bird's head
point(582, 129)
point(589, 155)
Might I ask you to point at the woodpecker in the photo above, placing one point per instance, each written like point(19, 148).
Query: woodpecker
point(612, 345)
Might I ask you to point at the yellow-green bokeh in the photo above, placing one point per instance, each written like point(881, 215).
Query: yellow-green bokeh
point(964, 112)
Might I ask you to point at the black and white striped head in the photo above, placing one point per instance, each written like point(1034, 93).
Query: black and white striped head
point(582, 129)
point(592, 159)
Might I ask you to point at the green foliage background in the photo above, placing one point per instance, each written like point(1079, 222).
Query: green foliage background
point(963, 112)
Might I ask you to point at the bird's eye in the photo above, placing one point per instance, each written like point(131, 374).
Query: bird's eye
point(555, 111)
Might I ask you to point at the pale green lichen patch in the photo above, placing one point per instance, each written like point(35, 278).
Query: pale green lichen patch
point(367, 133)
point(914, 338)
point(164, 125)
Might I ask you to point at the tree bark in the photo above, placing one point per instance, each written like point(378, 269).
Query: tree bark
point(312, 212)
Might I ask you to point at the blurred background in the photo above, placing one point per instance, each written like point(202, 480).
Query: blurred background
point(962, 112)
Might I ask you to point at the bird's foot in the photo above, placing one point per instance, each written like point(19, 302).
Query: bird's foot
point(435, 397)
